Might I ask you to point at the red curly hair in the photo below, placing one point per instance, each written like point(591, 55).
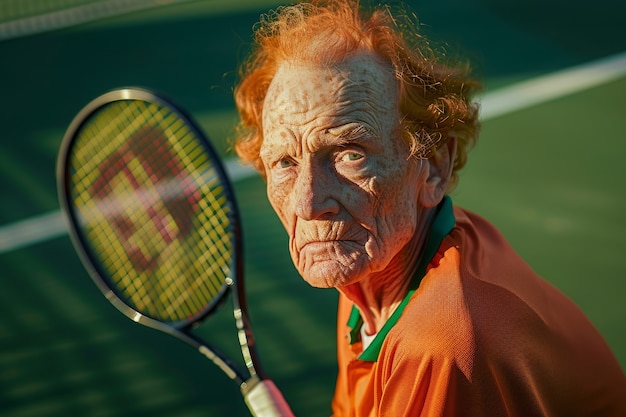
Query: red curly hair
point(435, 99)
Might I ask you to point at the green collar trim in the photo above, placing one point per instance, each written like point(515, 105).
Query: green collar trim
point(441, 227)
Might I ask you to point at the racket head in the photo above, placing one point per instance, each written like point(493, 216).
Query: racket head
point(150, 209)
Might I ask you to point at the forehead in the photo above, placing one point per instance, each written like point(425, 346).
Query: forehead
point(305, 90)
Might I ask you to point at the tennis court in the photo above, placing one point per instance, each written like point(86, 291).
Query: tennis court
point(547, 171)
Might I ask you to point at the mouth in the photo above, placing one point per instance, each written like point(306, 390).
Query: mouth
point(338, 238)
point(319, 245)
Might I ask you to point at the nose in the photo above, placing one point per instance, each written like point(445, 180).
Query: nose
point(314, 192)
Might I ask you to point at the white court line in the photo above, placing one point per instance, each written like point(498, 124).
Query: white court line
point(503, 101)
point(50, 225)
point(551, 86)
point(76, 16)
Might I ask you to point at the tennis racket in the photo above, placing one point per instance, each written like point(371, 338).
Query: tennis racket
point(154, 220)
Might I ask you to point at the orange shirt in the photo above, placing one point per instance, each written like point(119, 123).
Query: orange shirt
point(482, 335)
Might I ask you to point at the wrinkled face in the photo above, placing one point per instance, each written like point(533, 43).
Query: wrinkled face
point(338, 174)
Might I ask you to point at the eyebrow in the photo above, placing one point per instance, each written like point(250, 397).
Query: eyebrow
point(352, 133)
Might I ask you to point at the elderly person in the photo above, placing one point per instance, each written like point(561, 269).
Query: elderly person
point(360, 131)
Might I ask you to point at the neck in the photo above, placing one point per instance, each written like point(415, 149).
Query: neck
point(380, 293)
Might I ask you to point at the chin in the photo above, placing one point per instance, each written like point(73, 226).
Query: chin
point(329, 274)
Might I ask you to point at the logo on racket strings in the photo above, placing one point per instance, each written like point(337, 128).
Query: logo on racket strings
point(164, 197)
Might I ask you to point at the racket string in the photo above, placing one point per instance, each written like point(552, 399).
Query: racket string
point(154, 209)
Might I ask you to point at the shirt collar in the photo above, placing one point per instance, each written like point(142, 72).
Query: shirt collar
point(442, 225)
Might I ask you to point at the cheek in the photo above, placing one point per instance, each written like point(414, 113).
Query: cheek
point(279, 200)
point(397, 190)
point(398, 198)
point(395, 203)
point(397, 212)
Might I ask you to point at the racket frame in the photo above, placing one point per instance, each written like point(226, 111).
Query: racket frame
point(180, 329)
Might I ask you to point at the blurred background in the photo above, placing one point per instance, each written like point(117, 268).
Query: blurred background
point(547, 175)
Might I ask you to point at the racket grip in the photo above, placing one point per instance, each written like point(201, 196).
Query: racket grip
point(264, 399)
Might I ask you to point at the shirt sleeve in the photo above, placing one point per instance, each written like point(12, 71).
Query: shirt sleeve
point(468, 346)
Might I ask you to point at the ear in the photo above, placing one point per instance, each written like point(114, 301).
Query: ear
point(440, 166)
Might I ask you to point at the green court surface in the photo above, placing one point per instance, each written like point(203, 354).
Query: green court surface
point(549, 176)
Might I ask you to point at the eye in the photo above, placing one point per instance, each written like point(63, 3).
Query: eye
point(351, 156)
point(284, 163)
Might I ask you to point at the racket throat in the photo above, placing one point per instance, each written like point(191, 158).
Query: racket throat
point(247, 385)
point(221, 363)
point(246, 342)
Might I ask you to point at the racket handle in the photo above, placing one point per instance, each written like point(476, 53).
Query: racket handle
point(264, 399)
